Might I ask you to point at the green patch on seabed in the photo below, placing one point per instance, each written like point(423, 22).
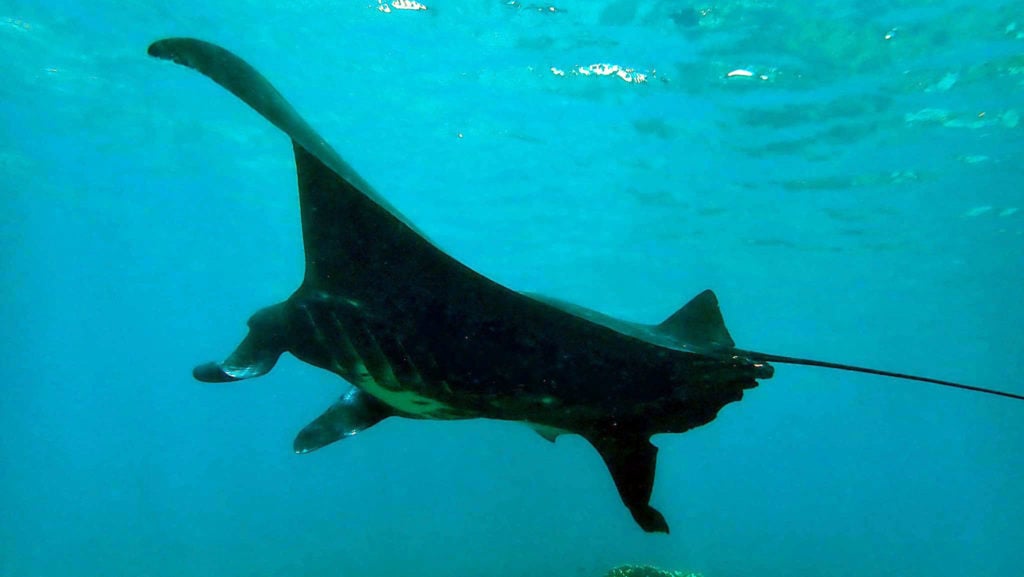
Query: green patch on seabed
point(646, 571)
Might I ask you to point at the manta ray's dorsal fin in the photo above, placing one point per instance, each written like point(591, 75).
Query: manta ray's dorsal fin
point(699, 322)
point(327, 184)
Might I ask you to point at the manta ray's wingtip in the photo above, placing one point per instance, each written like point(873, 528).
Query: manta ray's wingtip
point(651, 520)
point(163, 48)
point(157, 48)
point(173, 49)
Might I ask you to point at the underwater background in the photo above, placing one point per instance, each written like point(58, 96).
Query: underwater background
point(847, 176)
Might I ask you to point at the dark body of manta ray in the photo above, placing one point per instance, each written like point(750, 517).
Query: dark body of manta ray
point(422, 336)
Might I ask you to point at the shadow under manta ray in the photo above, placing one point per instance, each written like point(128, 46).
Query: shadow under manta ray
point(423, 336)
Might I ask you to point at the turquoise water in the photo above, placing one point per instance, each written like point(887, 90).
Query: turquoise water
point(856, 198)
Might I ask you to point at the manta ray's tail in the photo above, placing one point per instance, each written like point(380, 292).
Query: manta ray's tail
point(813, 363)
point(700, 321)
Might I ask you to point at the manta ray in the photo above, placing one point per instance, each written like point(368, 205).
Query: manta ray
point(420, 335)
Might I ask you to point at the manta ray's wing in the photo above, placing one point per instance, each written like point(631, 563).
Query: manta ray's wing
point(631, 460)
point(343, 218)
point(357, 246)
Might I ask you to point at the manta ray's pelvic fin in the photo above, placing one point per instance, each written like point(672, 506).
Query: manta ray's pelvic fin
point(256, 354)
point(355, 411)
point(631, 460)
point(699, 321)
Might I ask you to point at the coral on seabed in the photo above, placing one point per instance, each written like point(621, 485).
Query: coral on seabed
point(646, 571)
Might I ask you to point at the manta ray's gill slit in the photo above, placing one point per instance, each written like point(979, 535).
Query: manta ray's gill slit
point(365, 364)
point(374, 358)
point(403, 369)
point(340, 349)
point(367, 349)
